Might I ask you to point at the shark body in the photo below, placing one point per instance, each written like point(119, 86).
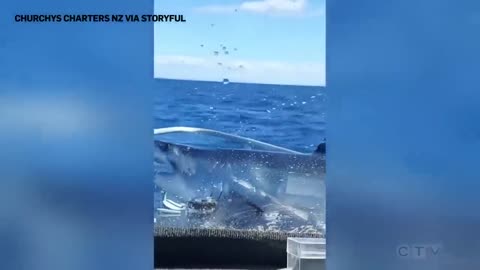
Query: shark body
point(263, 178)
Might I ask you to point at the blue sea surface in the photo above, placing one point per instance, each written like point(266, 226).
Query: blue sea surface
point(289, 116)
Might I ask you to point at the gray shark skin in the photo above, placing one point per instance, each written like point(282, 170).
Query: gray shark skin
point(306, 163)
point(293, 182)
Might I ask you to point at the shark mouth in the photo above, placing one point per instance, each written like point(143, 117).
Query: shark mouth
point(215, 179)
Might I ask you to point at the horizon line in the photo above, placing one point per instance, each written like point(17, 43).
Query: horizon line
point(233, 82)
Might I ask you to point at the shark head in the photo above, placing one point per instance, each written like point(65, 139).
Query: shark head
point(181, 172)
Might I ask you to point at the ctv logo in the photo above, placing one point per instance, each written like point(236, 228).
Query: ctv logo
point(418, 251)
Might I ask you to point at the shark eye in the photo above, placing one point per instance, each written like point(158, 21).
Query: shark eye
point(161, 146)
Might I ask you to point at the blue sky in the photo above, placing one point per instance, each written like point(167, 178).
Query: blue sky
point(268, 41)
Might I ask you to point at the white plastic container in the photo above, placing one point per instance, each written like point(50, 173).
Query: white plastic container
point(306, 253)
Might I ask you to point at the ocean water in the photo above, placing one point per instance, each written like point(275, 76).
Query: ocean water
point(287, 116)
point(292, 117)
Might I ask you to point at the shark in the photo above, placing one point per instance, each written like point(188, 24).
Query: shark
point(263, 175)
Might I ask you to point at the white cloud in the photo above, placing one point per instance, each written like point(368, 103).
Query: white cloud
point(239, 70)
point(181, 59)
point(217, 9)
point(272, 7)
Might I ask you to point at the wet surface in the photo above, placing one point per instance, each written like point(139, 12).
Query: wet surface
point(234, 212)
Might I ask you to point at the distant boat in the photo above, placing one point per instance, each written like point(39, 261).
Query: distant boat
point(226, 81)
